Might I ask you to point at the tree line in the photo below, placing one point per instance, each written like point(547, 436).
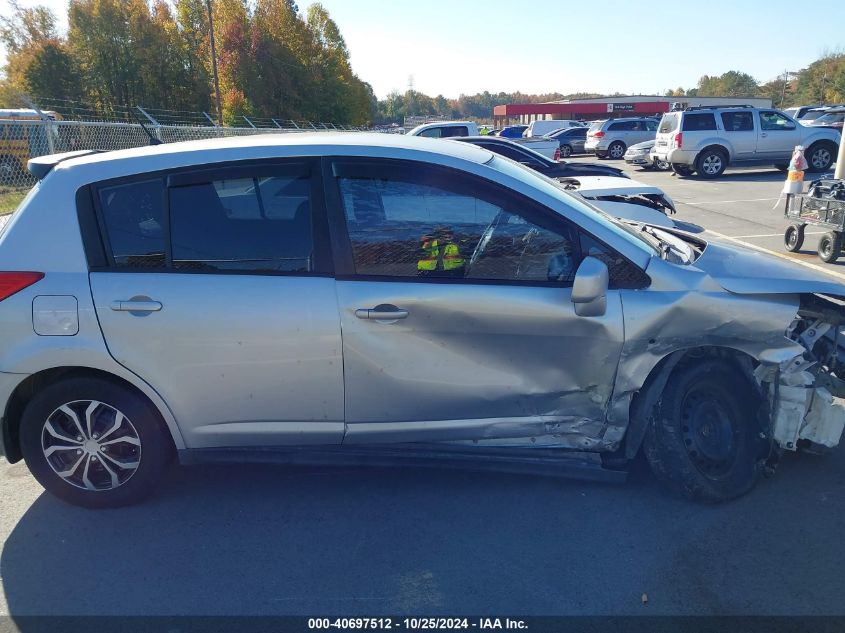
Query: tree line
point(272, 59)
point(823, 81)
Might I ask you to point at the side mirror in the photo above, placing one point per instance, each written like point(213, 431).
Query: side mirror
point(589, 291)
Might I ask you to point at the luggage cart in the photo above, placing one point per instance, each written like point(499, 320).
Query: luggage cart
point(802, 210)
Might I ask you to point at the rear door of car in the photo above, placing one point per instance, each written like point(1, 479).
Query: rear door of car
point(215, 286)
point(741, 132)
point(454, 296)
point(778, 136)
point(666, 130)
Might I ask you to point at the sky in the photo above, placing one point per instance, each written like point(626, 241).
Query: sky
point(455, 47)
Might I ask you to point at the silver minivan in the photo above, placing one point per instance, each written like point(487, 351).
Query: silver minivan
point(372, 297)
point(611, 138)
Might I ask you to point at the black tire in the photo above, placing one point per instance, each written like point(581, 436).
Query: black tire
point(565, 151)
point(601, 155)
point(830, 246)
point(682, 170)
point(711, 163)
point(820, 156)
point(703, 440)
point(661, 165)
point(793, 237)
point(152, 453)
point(616, 150)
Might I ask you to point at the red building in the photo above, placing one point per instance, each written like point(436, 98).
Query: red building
point(607, 107)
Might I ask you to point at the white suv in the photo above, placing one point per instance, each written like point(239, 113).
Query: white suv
point(707, 140)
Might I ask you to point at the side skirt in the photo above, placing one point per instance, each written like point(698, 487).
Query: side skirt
point(544, 462)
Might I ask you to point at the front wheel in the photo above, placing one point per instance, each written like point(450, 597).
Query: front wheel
point(820, 157)
point(793, 237)
point(616, 150)
point(94, 443)
point(704, 439)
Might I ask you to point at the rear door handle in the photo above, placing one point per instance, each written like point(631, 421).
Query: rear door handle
point(763, 134)
point(135, 306)
point(382, 313)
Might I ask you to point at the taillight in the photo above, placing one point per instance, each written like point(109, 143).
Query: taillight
point(678, 139)
point(557, 153)
point(10, 283)
point(598, 134)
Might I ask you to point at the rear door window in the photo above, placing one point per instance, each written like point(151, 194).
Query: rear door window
point(738, 121)
point(623, 126)
point(253, 224)
point(696, 121)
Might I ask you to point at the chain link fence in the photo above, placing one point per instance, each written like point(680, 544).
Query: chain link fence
point(25, 138)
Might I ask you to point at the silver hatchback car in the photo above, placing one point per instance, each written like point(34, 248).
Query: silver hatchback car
point(362, 297)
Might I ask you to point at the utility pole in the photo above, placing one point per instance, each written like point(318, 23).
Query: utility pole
point(214, 63)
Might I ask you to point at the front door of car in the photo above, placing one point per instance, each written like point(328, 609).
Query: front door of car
point(218, 292)
point(778, 136)
point(454, 296)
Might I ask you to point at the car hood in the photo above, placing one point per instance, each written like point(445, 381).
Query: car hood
point(746, 271)
point(574, 170)
point(643, 145)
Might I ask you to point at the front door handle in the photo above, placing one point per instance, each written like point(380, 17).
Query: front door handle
point(763, 134)
point(135, 306)
point(382, 313)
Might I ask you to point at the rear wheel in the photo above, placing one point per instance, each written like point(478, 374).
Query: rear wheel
point(565, 151)
point(793, 237)
point(94, 443)
point(616, 150)
point(662, 165)
point(711, 163)
point(703, 440)
point(820, 156)
point(830, 245)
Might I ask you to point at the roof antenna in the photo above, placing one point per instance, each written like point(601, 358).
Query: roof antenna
point(153, 139)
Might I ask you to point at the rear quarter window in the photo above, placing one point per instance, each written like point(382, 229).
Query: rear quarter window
point(699, 121)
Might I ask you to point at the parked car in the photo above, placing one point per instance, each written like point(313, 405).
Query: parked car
point(571, 140)
point(512, 131)
point(830, 118)
point(624, 198)
point(486, 314)
point(451, 129)
point(542, 128)
point(707, 140)
point(613, 137)
point(640, 155)
point(538, 162)
point(798, 112)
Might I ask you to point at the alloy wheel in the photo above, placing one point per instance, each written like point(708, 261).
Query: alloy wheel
point(712, 164)
point(91, 445)
point(820, 158)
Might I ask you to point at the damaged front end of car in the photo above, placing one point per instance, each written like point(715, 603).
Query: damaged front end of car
point(806, 394)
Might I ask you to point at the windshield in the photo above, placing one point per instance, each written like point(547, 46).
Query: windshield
point(831, 117)
point(552, 187)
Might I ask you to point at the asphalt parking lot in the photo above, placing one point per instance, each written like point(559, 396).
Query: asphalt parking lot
point(274, 540)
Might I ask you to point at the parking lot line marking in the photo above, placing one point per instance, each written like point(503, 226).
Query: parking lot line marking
point(690, 201)
point(776, 254)
point(742, 237)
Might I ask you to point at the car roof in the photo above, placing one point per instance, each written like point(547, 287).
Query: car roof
point(309, 144)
